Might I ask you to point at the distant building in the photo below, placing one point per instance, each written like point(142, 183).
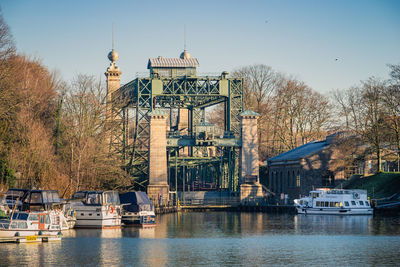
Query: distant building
point(297, 171)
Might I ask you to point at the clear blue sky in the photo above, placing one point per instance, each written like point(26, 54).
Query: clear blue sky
point(300, 38)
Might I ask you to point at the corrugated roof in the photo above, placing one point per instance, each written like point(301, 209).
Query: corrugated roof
point(172, 62)
point(300, 152)
point(249, 113)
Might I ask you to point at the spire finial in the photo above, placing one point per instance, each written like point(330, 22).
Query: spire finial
point(113, 36)
point(184, 54)
point(184, 37)
point(113, 55)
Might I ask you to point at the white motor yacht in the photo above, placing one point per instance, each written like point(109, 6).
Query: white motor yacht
point(96, 209)
point(32, 224)
point(335, 201)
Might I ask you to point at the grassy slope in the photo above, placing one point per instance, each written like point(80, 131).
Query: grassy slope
point(378, 186)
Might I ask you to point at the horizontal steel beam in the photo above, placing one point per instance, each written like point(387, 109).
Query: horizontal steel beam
point(217, 142)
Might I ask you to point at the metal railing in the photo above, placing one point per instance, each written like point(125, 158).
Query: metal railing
point(232, 201)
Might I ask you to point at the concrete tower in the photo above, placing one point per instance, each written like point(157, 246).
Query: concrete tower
point(250, 189)
point(158, 189)
point(113, 75)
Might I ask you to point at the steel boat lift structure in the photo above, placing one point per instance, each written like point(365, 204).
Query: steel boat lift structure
point(196, 158)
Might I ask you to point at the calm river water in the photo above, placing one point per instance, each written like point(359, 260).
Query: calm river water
point(224, 239)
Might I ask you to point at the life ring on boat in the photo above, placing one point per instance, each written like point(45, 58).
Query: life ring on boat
point(111, 210)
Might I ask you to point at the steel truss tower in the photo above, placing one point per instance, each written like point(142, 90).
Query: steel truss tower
point(196, 157)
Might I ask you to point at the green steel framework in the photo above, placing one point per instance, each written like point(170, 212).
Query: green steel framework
point(142, 95)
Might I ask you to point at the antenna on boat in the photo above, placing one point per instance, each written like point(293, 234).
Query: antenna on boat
point(15, 205)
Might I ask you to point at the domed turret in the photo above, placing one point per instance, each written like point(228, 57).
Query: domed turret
point(113, 56)
point(185, 55)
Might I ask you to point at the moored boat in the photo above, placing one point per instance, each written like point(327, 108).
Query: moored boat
point(32, 224)
point(46, 200)
point(96, 209)
point(137, 209)
point(335, 201)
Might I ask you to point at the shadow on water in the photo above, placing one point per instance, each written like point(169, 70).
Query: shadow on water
point(223, 239)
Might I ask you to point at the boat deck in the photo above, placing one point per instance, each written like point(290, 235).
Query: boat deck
point(29, 239)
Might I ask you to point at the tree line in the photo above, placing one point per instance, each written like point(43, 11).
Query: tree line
point(293, 114)
point(53, 134)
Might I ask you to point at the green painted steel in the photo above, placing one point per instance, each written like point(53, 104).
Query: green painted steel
point(142, 95)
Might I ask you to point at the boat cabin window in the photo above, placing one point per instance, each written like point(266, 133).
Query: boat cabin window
point(50, 197)
point(361, 203)
point(14, 194)
point(79, 195)
point(13, 225)
point(22, 225)
point(314, 195)
point(94, 199)
point(36, 197)
point(335, 204)
point(318, 204)
point(346, 203)
point(326, 204)
point(366, 203)
point(47, 220)
point(4, 225)
point(20, 216)
point(33, 217)
point(56, 197)
point(353, 203)
point(111, 198)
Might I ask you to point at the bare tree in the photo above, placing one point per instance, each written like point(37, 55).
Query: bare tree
point(260, 83)
point(85, 145)
point(365, 113)
point(391, 98)
point(301, 114)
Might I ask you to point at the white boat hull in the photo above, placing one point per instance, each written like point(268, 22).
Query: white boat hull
point(335, 211)
point(87, 217)
point(12, 233)
point(142, 218)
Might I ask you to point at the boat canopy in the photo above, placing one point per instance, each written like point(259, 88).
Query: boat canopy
point(97, 197)
point(137, 201)
point(40, 200)
point(15, 193)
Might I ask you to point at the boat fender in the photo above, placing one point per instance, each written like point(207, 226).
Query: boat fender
point(111, 210)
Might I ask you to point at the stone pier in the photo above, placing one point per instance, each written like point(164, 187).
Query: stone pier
point(250, 188)
point(158, 188)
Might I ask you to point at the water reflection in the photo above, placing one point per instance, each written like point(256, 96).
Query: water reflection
point(332, 224)
point(224, 239)
point(102, 233)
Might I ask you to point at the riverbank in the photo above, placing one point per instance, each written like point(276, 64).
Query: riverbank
point(381, 185)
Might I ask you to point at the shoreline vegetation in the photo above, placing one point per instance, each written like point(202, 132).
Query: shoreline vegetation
point(380, 185)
